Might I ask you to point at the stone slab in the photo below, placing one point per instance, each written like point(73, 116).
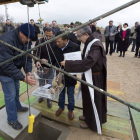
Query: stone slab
point(7, 132)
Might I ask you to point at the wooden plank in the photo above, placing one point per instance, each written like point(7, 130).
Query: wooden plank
point(21, 91)
point(136, 118)
point(32, 100)
point(10, 1)
point(115, 127)
point(113, 108)
point(117, 109)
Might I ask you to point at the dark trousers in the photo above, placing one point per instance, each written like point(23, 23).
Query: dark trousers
point(134, 44)
point(121, 53)
point(116, 43)
point(137, 48)
point(71, 101)
point(109, 42)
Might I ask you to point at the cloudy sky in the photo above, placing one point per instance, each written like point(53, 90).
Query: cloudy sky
point(66, 11)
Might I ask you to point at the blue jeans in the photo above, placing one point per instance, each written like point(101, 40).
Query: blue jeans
point(10, 88)
point(134, 44)
point(71, 101)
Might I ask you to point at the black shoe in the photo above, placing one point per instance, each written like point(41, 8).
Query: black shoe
point(135, 56)
point(123, 55)
point(49, 103)
point(120, 55)
point(23, 109)
point(40, 100)
point(16, 125)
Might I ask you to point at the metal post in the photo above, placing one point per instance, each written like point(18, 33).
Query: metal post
point(6, 12)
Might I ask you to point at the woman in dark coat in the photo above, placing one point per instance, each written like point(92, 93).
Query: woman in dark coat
point(116, 41)
point(124, 39)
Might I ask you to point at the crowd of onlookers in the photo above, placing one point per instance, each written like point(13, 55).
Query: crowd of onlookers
point(118, 38)
point(121, 37)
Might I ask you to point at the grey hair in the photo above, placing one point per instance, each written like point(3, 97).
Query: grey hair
point(137, 23)
point(85, 29)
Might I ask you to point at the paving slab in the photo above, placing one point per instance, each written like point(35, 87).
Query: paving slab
point(7, 132)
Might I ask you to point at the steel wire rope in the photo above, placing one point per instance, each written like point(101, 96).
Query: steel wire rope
point(26, 61)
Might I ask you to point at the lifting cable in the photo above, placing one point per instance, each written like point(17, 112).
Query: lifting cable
point(31, 117)
point(45, 39)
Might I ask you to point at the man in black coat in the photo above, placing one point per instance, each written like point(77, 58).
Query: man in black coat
point(65, 46)
point(8, 26)
point(37, 31)
point(94, 26)
point(10, 73)
point(137, 40)
point(44, 53)
point(55, 28)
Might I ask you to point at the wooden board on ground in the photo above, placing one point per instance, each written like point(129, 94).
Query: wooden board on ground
point(136, 118)
point(118, 127)
point(113, 108)
point(23, 88)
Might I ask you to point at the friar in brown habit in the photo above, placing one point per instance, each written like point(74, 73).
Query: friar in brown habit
point(96, 61)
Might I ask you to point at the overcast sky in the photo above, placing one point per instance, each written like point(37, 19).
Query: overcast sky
point(66, 11)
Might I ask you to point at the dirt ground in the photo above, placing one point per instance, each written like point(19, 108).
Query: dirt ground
point(124, 70)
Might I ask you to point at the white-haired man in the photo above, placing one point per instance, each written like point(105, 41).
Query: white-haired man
point(93, 66)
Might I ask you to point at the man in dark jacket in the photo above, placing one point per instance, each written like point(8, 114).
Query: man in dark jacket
point(137, 40)
point(94, 26)
point(10, 73)
point(8, 26)
point(37, 31)
point(44, 53)
point(109, 33)
point(55, 28)
point(65, 46)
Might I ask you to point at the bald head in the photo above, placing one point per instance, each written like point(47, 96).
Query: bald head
point(47, 24)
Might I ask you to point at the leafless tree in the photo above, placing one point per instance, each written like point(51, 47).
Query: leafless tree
point(2, 21)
